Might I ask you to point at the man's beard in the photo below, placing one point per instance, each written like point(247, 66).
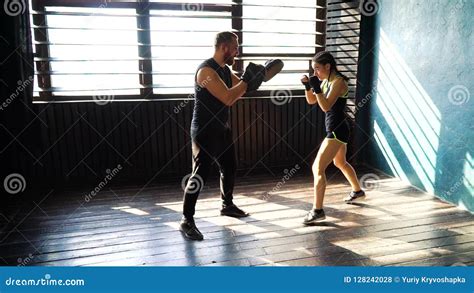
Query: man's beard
point(229, 59)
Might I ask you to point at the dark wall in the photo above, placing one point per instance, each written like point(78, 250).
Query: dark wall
point(79, 142)
point(16, 72)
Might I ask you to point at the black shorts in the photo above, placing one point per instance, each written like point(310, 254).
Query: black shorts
point(340, 133)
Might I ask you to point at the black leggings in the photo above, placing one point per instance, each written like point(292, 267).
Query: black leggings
point(208, 147)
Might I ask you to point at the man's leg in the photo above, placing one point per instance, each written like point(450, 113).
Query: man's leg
point(201, 165)
point(227, 166)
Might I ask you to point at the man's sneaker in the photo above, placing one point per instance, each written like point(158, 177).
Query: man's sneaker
point(233, 211)
point(314, 216)
point(189, 230)
point(354, 196)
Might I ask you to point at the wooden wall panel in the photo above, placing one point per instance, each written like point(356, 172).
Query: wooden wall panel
point(80, 141)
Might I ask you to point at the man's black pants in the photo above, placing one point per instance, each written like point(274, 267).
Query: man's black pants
point(207, 147)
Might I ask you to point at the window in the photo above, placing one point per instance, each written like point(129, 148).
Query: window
point(281, 29)
point(150, 48)
point(93, 51)
point(181, 40)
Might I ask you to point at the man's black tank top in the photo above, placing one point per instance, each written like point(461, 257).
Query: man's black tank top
point(210, 114)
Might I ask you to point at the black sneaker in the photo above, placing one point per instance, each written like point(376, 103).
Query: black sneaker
point(314, 216)
point(233, 211)
point(353, 196)
point(189, 230)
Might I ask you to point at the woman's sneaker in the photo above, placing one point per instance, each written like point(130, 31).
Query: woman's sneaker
point(314, 216)
point(355, 196)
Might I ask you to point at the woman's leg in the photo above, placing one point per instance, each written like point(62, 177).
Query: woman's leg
point(326, 154)
point(346, 168)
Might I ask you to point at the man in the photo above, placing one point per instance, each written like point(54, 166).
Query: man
point(216, 90)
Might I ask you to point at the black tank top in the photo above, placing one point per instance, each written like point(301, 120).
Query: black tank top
point(210, 114)
point(336, 116)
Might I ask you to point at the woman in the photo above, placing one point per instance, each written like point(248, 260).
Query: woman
point(328, 89)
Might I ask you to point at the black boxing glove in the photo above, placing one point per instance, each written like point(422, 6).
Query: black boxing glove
point(272, 68)
point(315, 84)
point(306, 84)
point(253, 76)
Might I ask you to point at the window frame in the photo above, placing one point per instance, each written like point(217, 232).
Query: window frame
point(145, 75)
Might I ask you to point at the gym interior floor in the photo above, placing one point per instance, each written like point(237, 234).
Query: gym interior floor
point(396, 225)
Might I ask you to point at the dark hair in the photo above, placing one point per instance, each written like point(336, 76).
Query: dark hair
point(324, 58)
point(224, 38)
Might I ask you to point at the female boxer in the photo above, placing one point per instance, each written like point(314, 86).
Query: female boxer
point(328, 89)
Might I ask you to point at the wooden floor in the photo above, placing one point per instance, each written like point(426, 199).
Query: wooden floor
point(395, 226)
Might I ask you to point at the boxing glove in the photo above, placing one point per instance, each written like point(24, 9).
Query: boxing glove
point(315, 84)
point(253, 76)
point(305, 82)
point(272, 68)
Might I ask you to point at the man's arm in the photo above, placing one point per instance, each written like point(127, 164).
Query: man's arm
point(209, 79)
point(235, 79)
